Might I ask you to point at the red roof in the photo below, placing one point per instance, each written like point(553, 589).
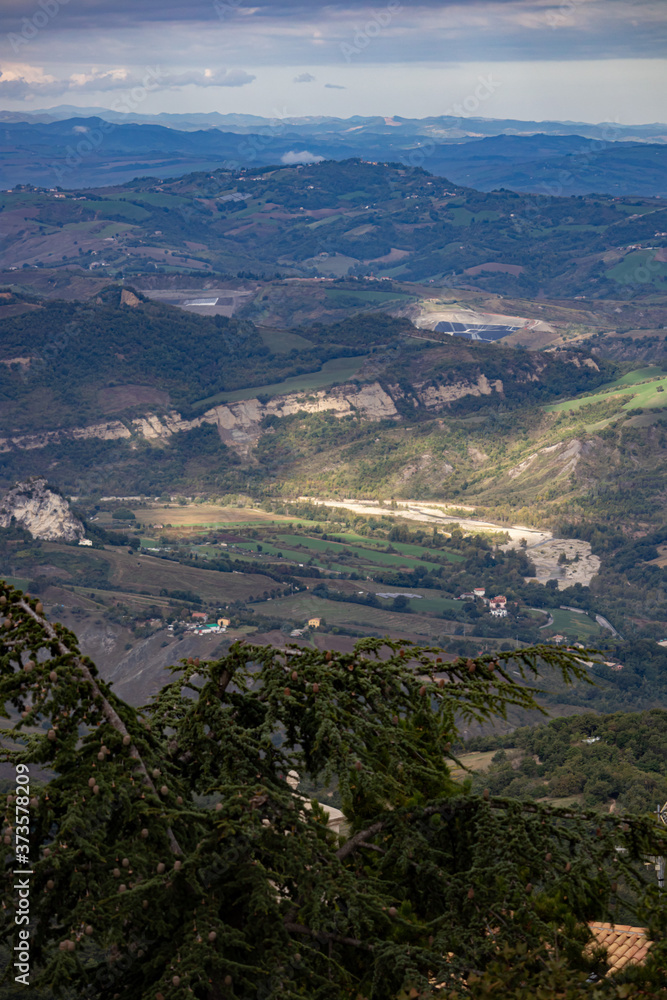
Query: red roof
point(625, 945)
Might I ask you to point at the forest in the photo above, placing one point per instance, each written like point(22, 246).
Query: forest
point(616, 760)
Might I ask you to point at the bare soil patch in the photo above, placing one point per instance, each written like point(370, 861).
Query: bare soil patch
point(390, 258)
point(514, 269)
point(545, 559)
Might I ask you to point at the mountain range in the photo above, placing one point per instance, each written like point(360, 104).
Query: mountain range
point(544, 157)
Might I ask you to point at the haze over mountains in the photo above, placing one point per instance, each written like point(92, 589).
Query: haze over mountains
point(86, 147)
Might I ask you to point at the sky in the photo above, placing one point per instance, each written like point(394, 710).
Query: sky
point(576, 60)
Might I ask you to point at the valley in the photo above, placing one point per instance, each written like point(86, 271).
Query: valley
point(337, 393)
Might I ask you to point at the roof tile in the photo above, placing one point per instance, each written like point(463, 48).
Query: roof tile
point(624, 944)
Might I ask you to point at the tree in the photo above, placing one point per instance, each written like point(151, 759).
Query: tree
point(170, 857)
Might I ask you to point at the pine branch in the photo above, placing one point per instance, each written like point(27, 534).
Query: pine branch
point(108, 711)
point(326, 936)
point(358, 839)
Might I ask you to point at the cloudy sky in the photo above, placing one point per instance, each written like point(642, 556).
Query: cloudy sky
point(581, 60)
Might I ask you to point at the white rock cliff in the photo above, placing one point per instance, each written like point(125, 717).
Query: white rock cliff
point(43, 512)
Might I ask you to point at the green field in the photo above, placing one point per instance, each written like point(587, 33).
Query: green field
point(372, 558)
point(210, 515)
point(337, 370)
point(300, 607)
point(647, 387)
point(639, 267)
point(570, 623)
point(286, 553)
point(16, 581)
point(343, 297)
point(153, 198)
point(431, 605)
point(407, 548)
point(122, 208)
point(338, 264)
point(284, 341)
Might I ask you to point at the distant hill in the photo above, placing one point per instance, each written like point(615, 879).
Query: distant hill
point(337, 218)
point(555, 164)
point(442, 126)
point(91, 149)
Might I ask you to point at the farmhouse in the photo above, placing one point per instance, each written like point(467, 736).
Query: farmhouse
point(314, 622)
point(199, 616)
point(479, 591)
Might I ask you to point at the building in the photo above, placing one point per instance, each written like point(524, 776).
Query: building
point(479, 591)
point(499, 613)
point(224, 622)
point(499, 601)
point(199, 616)
point(314, 622)
point(85, 541)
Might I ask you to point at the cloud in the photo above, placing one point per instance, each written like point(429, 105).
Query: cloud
point(334, 86)
point(207, 78)
point(304, 157)
point(303, 78)
point(26, 82)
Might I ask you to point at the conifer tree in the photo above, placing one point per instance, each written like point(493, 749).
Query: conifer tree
point(171, 859)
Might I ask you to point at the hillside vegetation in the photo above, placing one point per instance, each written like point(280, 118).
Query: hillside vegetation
point(335, 218)
point(616, 761)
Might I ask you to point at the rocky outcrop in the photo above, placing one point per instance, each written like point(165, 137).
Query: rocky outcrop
point(564, 457)
point(239, 424)
point(43, 512)
point(435, 396)
point(128, 298)
point(111, 430)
